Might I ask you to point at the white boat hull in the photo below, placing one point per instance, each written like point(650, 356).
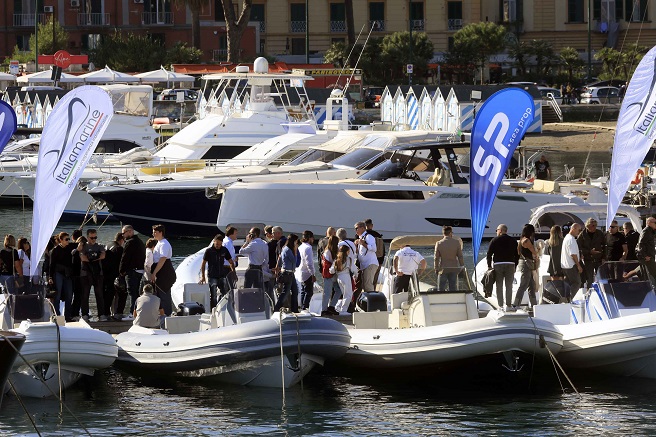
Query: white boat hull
point(79, 350)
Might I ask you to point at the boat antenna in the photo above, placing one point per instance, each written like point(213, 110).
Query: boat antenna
point(348, 82)
point(349, 55)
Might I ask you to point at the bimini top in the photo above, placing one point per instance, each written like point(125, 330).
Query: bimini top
point(598, 209)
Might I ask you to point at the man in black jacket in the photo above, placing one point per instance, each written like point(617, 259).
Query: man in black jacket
point(632, 238)
point(132, 263)
point(503, 251)
point(646, 251)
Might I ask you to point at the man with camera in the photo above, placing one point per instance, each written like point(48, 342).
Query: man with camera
point(92, 274)
point(257, 252)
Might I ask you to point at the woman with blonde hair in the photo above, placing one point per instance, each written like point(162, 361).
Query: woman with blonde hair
point(343, 268)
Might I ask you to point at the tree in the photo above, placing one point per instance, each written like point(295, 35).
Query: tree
point(395, 53)
point(46, 45)
point(611, 60)
point(570, 59)
point(481, 40)
point(195, 6)
point(544, 55)
point(369, 60)
point(520, 51)
point(460, 62)
point(235, 27)
point(180, 53)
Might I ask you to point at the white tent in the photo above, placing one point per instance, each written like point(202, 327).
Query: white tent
point(164, 75)
point(107, 75)
point(45, 77)
point(7, 77)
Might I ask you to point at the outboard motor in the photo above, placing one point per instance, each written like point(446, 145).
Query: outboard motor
point(555, 291)
point(371, 301)
point(190, 309)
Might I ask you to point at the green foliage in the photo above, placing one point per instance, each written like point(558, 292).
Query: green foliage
point(521, 52)
point(570, 59)
point(46, 46)
point(337, 55)
point(180, 53)
point(395, 54)
point(620, 65)
point(480, 40)
point(544, 55)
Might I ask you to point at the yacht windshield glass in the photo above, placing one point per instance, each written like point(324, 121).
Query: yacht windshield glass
point(315, 155)
point(399, 165)
point(132, 103)
point(356, 158)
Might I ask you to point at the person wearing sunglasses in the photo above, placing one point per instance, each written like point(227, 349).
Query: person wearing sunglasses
point(92, 275)
point(60, 275)
point(616, 247)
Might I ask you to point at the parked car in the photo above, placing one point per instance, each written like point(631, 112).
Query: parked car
point(601, 94)
point(545, 91)
point(172, 94)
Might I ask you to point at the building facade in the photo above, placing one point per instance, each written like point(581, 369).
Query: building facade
point(278, 27)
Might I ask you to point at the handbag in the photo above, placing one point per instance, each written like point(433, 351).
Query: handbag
point(325, 268)
point(530, 263)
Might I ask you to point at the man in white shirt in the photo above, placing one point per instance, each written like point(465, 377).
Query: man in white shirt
point(570, 259)
point(406, 262)
point(306, 269)
point(228, 243)
point(258, 255)
point(366, 245)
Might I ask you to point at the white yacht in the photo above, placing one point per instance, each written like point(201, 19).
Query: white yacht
point(410, 193)
point(346, 155)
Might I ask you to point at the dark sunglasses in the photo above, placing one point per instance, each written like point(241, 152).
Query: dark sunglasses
point(612, 227)
point(67, 239)
point(93, 238)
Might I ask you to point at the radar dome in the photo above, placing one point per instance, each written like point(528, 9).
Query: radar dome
point(261, 65)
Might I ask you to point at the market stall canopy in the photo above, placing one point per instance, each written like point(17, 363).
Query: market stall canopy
point(45, 76)
point(107, 75)
point(163, 75)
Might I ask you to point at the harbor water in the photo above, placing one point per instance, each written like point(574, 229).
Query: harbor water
point(116, 403)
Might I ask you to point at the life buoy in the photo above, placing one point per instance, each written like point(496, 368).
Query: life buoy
point(638, 176)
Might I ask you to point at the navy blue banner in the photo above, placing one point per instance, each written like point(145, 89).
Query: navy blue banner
point(498, 128)
point(7, 124)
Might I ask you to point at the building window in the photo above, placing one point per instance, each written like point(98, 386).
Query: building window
point(575, 11)
point(218, 11)
point(337, 17)
point(298, 46)
point(377, 16)
point(157, 12)
point(636, 10)
point(257, 14)
point(23, 43)
point(297, 17)
point(417, 14)
point(511, 10)
point(454, 15)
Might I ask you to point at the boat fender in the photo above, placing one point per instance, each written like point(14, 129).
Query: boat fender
point(638, 177)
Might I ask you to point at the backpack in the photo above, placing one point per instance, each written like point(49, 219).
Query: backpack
point(380, 247)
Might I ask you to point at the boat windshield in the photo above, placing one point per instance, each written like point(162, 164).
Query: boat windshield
point(315, 155)
point(399, 165)
point(359, 158)
point(628, 283)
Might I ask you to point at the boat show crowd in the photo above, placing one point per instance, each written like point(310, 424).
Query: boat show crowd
point(286, 266)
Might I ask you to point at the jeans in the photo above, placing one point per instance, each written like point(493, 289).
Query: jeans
point(64, 287)
point(133, 282)
point(289, 286)
point(574, 278)
point(98, 289)
point(253, 278)
point(330, 288)
point(590, 267)
point(527, 282)
point(217, 283)
point(306, 293)
point(505, 274)
point(451, 278)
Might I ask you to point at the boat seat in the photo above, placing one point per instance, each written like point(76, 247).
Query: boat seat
point(398, 299)
point(558, 314)
point(372, 320)
point(197, 293)
point(250, 305)
point(182, 324)
point(441, 308)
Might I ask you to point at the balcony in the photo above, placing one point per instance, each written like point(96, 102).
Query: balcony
point(157, 18)
point(455, 23)
point(297, 26)
point(94, 19)
point(262, 27)
point(27, 20)
point(418, 25)
point(338, 26)
point(378, 25)
point(221, 55)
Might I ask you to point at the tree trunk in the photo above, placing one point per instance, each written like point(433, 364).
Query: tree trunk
point(350, 26)
point(235, 28)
